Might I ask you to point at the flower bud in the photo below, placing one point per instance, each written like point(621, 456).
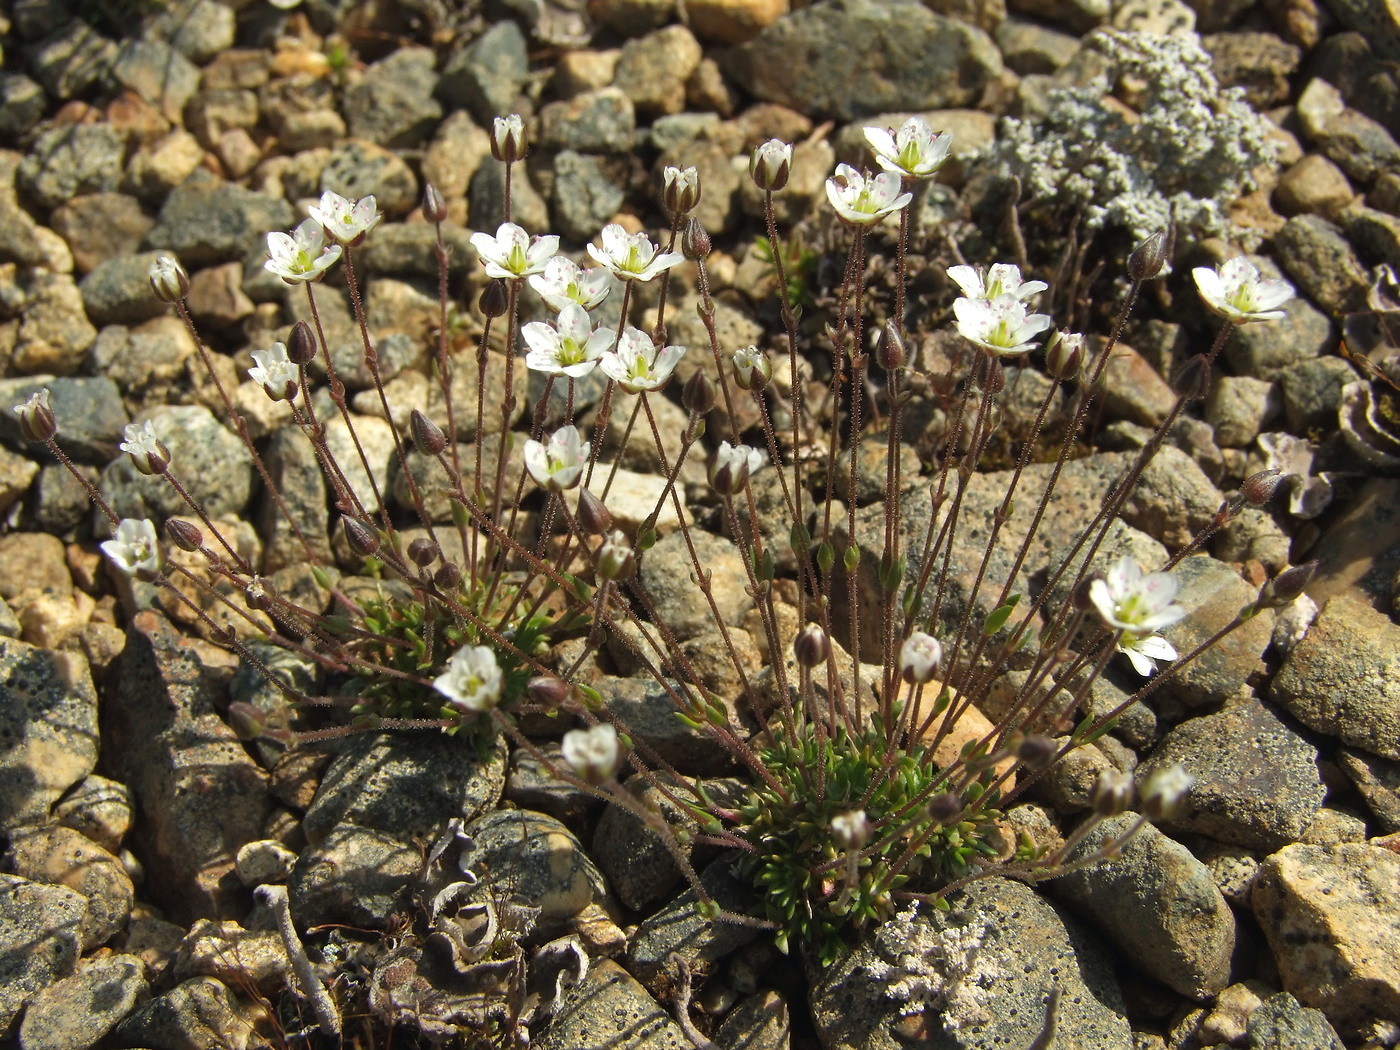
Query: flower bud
point(1284, 588)
point(169, 280)
point(811, 646)
point(695, 242)
point(752, 369)
point(592, 515)
point(1064, 355)
point(423, 552)
point(889, 348)
point(1111, 793)
point(494, 301)
point(257, 596)
point(246, 720)
point(548, 691)
point(945, 807)
point(428, 437)
point(508, 139)
point(616, 559)
point(698, 394)
point(1192, 380)
point(919, 658)
point(680, 190)
point(1163, 793)
point(1035, 751)
point(37, 422)
point(184, 534)
point(363, 540)
point(1259, 488)
point(448, 577)
point(770, 165)
point(301, 344)
point(1149, 257)
point(434, 207)
point(850, 830)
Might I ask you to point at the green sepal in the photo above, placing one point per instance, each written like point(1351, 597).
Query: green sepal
point(997, 618)
point(851, 558)
point(799, 539)
point(322, 578)
point(826, 556)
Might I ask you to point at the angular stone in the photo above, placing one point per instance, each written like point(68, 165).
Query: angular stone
point(39, 940)
point(78, 1011)
point(609, 1010)
point(206, 221)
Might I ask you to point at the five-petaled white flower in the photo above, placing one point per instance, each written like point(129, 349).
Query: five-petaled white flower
point(472, 680)
point(637, 364)
point(1002, 326)
point(592, 753)
point(631, 256)
point(301, 255)
point(1139, 605)
point(511, 253)
point(1239, 294)
point(275, 373)
point(919, 657)
point(864, 200)
point(557, 465)
point(133, 549)
point(1000, 279)
point(345, 221)
point(147, 451)
point(569, 346)
point(914, 150)
point(732, 467)
point(565, 282)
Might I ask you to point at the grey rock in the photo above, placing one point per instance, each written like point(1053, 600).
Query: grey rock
point(609, 1010)
point(264, 861)
point(62, 857)
point(199, 29)
point(1029, 48)
point(1259, 63)
point(487, 74)
point(530, 785)
point(40, 17)
point(648, 709)
point(294, 468)
point(677, 128)
point(72, 60)
point(199, 1012)
point(358, 169)
point(245, 958)
point(1261, 790)
point(206, 221)
point(487, 195)
point(396, 351)
point(66, 161)
point(665, 571)
point(354, 875)
point(54, 331)
point(1239, 408)
point(49, 725)
point(1078, 16)
point(653, 69)
point(1266, 351)
point(532, 855)
point(100, 809)
point(587, 194)
point(213, 465)
point(1331, 915)
point(77, 1011)
point(1312, 392)
point(988, 966)
point(411, 249)
point(1281, 1022)
point(89, 411)
point(432, 482)
point(1359, 145)
point(16, 474)
point(1343, 678)
point(158, 73)
point(1159, 904)
point(1377, 781)
point(39, 940)
point(677, 928)
point(1232, 867)
point(118, 291)
point(101, 226)
point(407, 785)
point(214, 112)
point(602, 121)
point(1314, 184)
point(1318, 259)
point(760, 1022)
point(1213, 593)
point(393, 104)
point(199, 793)
point(1173, 499)
point(1376, 234)
point(1253, 534)
point(22, 104)
point(921, 61)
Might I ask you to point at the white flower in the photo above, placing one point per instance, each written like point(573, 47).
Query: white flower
point(770, 164)
point(147, 451)
point(275, 372)
point(569, 347)
point(680, 188)
point(1138, 605)
point(1002, 326)
point(36, 419)
point(301, 255)
point(346, 222)
point(511, 253)
point(850, 830)
point(134, 549)
point(559, 464)
point(472, 679)
point(169, 280)
point(637, 364)
point(732, 467)
point(1239, 294)
point(919, 658)
point(914, 150)
point(1001, 279)
point(752, 368)
point(631, 256)
point(508, 138)
point(864, 201)
point(592, 753)
point(1164, 792)
point(564, 282)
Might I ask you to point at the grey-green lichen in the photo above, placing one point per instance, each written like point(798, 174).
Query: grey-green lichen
point(1148, 137)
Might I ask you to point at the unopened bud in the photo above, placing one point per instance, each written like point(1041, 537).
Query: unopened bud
point(37, 422)
point(549, 691)
point(448, 577)
point(169, 280)
point(811, 646)
point(752, 369)
point(695, 242)
point(889, 348)
point(494, 301)
point(1163, 793)
point(428, 437)
point(1064, 355)
point(850, 830)
point(508, 138)
point(945, 807)
point(1035, 751)
point(1259, 488)
point(1288, 585)
point(301, 344)
point(184, 534)
point(919, 658)
point(423, 552)
point(770, 164)
point(616, 559)
point(1111, 794)
point(680, 190)
point(1149, 257)
point(1192, 380)
point(592, 515)
point(698, 394)
point(363, 540)
point(434, 207)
